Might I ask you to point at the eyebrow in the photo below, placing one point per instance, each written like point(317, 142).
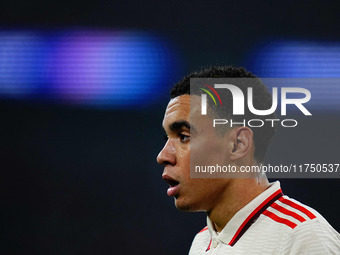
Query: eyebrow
point(178, 125)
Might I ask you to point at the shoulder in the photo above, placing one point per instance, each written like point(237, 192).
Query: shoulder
point(312, 237)
point(201, 241)
point(305, 230)
point(289, 212)
point(203, 236)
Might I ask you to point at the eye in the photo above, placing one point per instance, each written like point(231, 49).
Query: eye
point(184, 138)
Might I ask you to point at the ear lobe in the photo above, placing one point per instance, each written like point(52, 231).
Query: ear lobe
point(243, 141)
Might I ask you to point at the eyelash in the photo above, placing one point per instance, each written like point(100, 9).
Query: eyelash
point(183, 137)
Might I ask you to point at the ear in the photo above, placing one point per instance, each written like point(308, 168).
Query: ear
point(242, 138)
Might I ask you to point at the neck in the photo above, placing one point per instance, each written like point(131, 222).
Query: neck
point(238, 194)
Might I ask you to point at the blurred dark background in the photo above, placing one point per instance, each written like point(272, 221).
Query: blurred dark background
point(80, 176)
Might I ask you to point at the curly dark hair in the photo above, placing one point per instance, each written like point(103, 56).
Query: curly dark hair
point(262, 100)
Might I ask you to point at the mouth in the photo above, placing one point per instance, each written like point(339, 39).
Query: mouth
point(174, 185)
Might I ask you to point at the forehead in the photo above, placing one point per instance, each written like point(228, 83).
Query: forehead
point(180, 108)
point(180, 104)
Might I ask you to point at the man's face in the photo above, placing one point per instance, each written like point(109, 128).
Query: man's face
point(191, 194)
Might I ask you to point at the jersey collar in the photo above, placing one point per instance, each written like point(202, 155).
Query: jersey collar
point(245, 217)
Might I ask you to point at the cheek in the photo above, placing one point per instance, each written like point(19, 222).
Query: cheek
point(192, 196)
point(183, 155)
point(208, 190)
point(206, 152)
point(206, 143)
point(200, 194)
point(182, 168)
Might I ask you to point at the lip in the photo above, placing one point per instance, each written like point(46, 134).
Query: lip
point(174, 185)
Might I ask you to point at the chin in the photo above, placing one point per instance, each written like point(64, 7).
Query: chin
point(186, 206)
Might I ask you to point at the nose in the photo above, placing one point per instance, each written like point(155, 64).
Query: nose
point(167, 156)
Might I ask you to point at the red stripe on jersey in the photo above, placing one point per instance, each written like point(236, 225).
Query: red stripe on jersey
point(298, 207)
point(279, 219)
point(204, 229)
point(254, 215)
point(209, 246)
point(287, 212)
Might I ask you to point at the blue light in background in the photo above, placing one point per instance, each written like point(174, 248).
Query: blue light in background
point(301, 59)
point(105, 68)
point(22, 57)
point(295, 59)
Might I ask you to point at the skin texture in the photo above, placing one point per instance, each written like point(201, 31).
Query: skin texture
point(220, 198)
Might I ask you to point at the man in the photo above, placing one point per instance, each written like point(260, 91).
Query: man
point(244, 215)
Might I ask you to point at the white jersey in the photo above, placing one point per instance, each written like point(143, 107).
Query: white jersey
point(270, 224)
